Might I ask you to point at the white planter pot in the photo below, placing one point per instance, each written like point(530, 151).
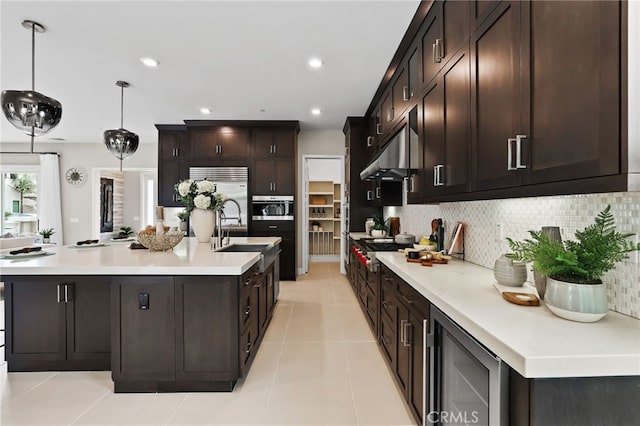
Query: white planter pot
point(203, 223)
point(378, 233)
point(576, 302)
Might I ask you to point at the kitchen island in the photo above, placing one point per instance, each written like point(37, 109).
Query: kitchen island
point(183, 320)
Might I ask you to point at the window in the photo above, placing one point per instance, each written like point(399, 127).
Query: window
point(19, 202)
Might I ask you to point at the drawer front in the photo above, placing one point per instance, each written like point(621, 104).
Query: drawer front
point(372, 309)
point(388, 305)
point(412, 299)
point(272, 227)
point(388, 278)
point(388, 340)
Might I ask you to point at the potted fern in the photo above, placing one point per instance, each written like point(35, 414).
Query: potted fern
point(574, 269)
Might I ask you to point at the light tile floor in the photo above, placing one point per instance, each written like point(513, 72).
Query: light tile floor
point(319, 364)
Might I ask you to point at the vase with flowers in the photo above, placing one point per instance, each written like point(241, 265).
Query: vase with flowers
point(202, 202)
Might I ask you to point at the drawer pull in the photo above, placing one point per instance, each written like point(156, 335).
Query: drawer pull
point(248, 311)
point(409, 301)
point(248, 350)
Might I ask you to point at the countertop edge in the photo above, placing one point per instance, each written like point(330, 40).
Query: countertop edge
point(528, 365)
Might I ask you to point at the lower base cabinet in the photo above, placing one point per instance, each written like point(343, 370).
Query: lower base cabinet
point(187, 333)
point(57, 323)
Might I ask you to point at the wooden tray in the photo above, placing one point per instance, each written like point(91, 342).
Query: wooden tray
point(526, 299)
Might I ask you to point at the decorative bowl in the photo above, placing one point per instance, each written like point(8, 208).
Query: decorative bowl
point(160, 242)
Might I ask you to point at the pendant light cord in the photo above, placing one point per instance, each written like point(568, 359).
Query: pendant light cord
point(33, 72)
point(121, 106)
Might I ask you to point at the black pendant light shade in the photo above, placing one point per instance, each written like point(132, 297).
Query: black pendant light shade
point(121, 142)
point(28, 110)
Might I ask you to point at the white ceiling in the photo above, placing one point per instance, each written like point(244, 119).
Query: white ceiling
point(235, 57)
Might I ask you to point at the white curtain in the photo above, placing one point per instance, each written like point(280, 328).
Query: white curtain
point(49, 198)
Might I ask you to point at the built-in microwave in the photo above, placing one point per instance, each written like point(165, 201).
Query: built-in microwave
point(272, 207)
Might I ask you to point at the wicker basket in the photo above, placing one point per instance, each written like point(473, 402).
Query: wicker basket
point(161, 242)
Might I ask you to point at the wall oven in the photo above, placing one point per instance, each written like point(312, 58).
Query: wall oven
point(466, 383)
point(272, 207)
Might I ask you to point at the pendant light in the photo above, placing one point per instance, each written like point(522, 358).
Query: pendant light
point(27, 110)
point(121, 142)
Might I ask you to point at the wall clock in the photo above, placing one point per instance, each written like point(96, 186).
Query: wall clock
point(76, 176)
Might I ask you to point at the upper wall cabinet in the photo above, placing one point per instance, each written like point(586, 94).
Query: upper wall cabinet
point(274, 143)
point(546, 93)
point(173, 162)
point(222, 142)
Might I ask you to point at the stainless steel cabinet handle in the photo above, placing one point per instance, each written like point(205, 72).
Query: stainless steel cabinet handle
point(369, 195)
point(58, 291)
point(378, 194)
point(378, 129)
point(275, 186)
point(275, 149)
point(248, 311)
point(402, 332)
point(437, 175)
point(385, 303)
point(409, 301)
point(177, 152)
point(405, 93)
point(519, 164)
point(248, 350)
point(437, 51)
point(390, 115)
point(68, 295)
point(273, 226)
point(510, 165)
point(408, 335)
point(369, 141)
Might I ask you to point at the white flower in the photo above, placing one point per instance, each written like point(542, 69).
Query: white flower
point(206, 186)
point(202, 201)
point(184, 187)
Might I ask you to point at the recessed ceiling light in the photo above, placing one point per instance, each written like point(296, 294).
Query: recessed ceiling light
point(205, 110)
point(150, 62)
point(316, 111)
point(315, 62)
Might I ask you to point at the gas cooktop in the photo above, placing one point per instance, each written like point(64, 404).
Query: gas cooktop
point(379, 244)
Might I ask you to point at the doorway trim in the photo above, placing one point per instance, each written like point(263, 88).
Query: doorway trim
point(305, 209)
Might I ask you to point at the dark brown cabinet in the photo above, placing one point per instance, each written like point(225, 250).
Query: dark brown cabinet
point(285, 230)
point(386, 111)
point(57, 323)
point(274, 143)
point(400, 92)
point(173, 162)
point(186, 333)
point(219, 143)
point(556, 117)
point(402, 313)
point(274, 177)
point(445, 132)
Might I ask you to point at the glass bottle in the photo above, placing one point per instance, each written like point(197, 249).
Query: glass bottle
point(313, 212)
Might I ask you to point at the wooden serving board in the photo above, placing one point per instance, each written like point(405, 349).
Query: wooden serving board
point(526, 299)
point(414, 260)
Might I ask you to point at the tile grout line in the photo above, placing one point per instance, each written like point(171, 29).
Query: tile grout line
point(33, 387)
point(104, 395)
point(275, 375)
point(177, 408)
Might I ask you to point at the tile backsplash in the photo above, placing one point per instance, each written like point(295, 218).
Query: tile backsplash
point(517, 216)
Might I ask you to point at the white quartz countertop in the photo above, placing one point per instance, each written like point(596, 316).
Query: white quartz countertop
point(531, 339)
point(115, 258)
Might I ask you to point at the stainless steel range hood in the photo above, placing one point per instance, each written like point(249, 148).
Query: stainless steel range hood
point(393, 161)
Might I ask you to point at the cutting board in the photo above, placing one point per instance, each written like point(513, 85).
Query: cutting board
point(526, 299)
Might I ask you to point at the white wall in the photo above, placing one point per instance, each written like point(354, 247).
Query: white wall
point(325, 169)
point(77, 201)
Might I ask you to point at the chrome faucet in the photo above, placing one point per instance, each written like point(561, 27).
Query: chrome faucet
point(239, 218)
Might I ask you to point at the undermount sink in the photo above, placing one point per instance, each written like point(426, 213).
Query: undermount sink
point(244, 248)
point(268, 252)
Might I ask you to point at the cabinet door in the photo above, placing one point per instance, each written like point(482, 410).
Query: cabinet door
point(88, 319)
point(274, 143)
point(432, 44)
point(263, 177)
point(403, 367)
point(446, 131)
point(285, 182)
point(400, 92)
point(495, 97)
point(455, 26)
point(173, 145)
point(416, 173)
point(233, 142)
point(170, 172)
point(35, 322)
point(413, 73)
point(416, 392)
point(387, 111)
point(204, 143)
point(270, 285)
point(388, 341)
point(285, 143)
point(573, 93)
point(207, 328)
point(144, 341)
point(288, 256)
